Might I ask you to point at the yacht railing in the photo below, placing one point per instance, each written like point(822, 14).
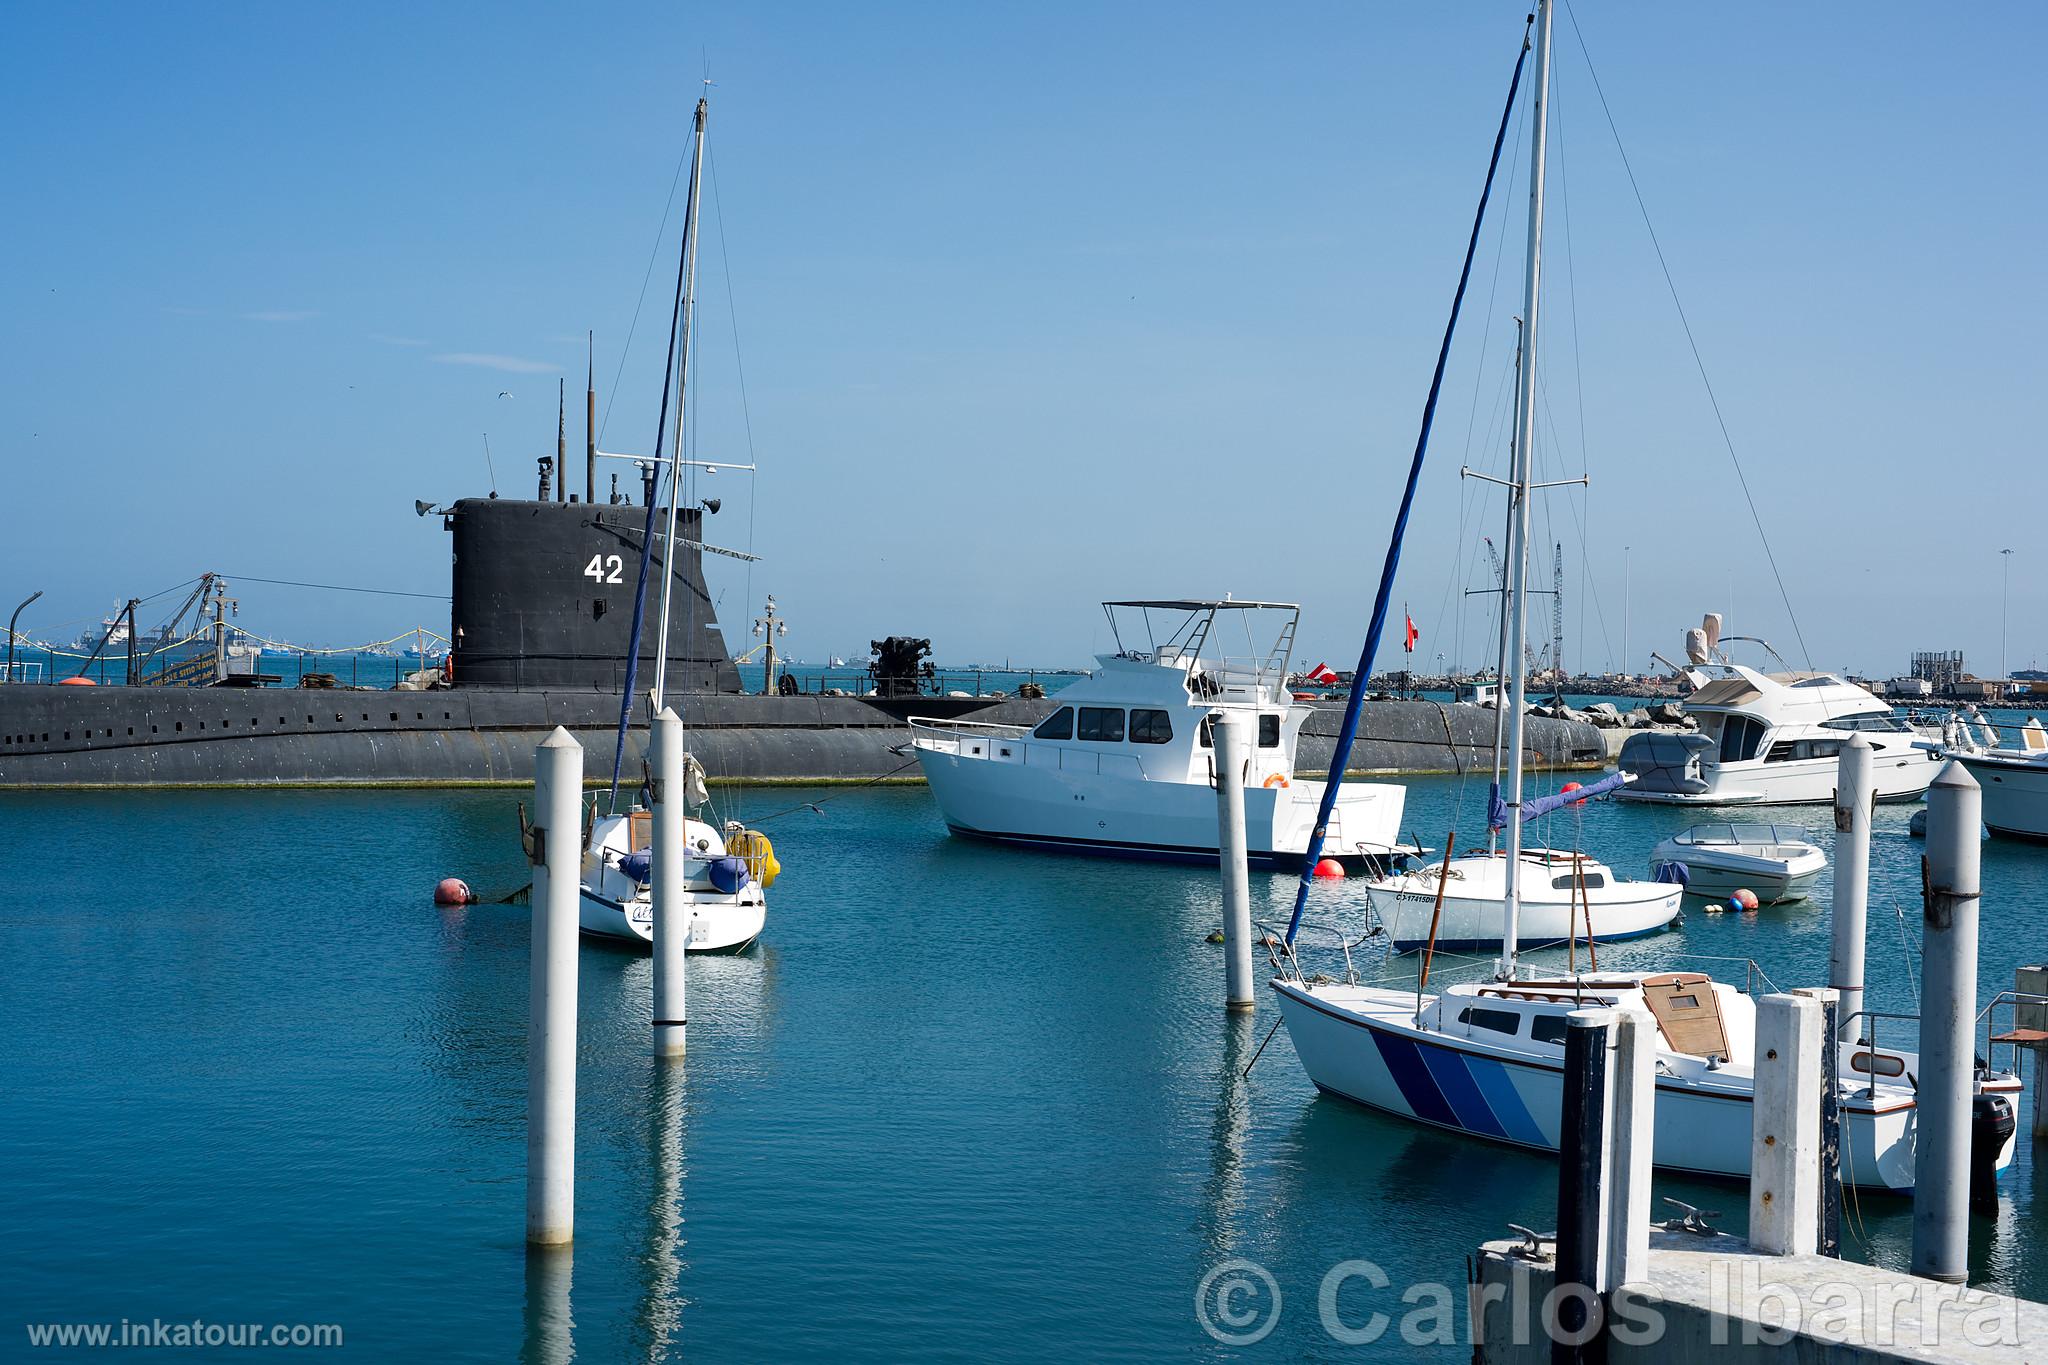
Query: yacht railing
point(2012, 1000)
point(1286, 959)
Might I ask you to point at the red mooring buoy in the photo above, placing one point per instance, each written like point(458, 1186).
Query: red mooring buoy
point(1330, 867)
point(453, 891)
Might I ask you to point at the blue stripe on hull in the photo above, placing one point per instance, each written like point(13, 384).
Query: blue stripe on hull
point(1517, 1123)
point(1466, 1101)
point(1411, 1073)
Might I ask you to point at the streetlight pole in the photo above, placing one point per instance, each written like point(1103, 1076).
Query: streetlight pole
point(8, 676)
point(2004, 596)
point(768, 626)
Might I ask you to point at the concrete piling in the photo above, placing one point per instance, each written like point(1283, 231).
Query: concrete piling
point(551, 1003)
point(1631, 1131)
point(2032, 1014)
point(671, 881)
point(1829, 1234)
point(1785, 1136)
point(1232, 733)
point(1948, 1008)
point(1584, 1151)
point(1855, 789)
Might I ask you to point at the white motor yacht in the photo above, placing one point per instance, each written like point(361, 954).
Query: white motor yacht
point(1126, 767)
point(1771, 738)
point(1776, 862)
point(2014, 777)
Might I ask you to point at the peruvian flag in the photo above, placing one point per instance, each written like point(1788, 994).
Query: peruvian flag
point(1322, 673)
point(1413, 633)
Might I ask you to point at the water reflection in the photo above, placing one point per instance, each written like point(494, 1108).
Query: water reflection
point(659, 1322)
point(1223, 1193)
point(549, 1326)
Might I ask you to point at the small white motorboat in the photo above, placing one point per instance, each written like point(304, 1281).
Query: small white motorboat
point(725, 889)
point(1564, 895)
point(1774, 861)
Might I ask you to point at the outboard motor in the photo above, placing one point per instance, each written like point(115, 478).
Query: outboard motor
point(1992, 1124)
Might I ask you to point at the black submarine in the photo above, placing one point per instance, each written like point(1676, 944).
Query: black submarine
point(541, 604)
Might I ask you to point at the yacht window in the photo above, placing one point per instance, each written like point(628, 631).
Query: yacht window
point(1549, 1028)
point(1498, 1021)
point(1824, 680)
point(1741, 737)
point(1151, 727)
point(1269, 732)
point(1104, 724)
point(1205, 733)
point(1786, 750)
point(1568, 882)
point(1058, 725)
point(1885, 725)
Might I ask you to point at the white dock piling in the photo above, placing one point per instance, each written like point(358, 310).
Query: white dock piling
point(1855, 788)
point(551, 1006)
point(1829, 1235)
point(671, 898)
point(1634, 1076)
point(1948, 1008)
point(2033, 1014)
point(1232, 732)
point(1784, 1152)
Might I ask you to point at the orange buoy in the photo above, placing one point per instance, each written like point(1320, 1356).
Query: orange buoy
point(77, 682)
point(1744, 899)
point(453, 891)
point(1330, 867)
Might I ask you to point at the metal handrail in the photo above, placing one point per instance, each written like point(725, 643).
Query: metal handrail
point(947, 723)
point(1987, 1017)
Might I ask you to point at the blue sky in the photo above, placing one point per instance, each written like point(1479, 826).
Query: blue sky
point(1036, 305)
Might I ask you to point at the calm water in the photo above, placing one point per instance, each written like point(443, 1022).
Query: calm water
point(961, 1103)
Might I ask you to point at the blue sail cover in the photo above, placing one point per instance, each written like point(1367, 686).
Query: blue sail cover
point(1543, 805)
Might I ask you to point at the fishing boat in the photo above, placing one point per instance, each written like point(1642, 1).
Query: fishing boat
point(2014, 776)
point(1771, 738)
point(1776, 862)
point(1126, 765)
point(1487, 1058)
point(725, 872)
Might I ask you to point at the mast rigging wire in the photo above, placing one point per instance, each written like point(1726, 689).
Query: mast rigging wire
point(1698, 362)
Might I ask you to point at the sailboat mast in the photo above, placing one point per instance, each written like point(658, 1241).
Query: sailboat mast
point(1500, 667)
point(675, 469)
point(1516, 602)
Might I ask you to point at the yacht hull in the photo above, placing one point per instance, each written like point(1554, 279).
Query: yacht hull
point(1372, 1054)
point(2015, 796)
point(1900, 772)
point(1474, 922)
point(1110, 815)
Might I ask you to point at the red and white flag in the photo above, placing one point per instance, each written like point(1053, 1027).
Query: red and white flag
point(1322, 673)
point(1413, 633)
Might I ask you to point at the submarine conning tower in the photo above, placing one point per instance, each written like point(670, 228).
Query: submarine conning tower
point(542, 597)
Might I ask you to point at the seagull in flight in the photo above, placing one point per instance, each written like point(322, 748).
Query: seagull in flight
point(504, 393)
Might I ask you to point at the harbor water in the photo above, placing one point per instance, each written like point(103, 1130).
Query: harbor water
point(961, 1102)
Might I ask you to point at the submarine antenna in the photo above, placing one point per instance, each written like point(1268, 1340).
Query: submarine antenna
point(490, 466)
point(590, 417)
point(561, 440)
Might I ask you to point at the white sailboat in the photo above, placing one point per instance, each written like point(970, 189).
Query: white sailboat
point(726, 870)
point(1487, 1058)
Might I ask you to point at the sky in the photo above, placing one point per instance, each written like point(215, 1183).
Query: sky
point(1022, 307)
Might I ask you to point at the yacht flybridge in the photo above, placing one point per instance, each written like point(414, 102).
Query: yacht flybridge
point(1771, 738)
point(1126, 765)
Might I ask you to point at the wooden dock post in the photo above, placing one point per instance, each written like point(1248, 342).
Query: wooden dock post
point(1785, 1139)
point(1232, 733)
point(551, 1004)
point(671, 884)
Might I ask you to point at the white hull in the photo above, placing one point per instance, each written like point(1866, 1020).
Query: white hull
point(2015, 794)
point(1362, 1044)
point(1061, 804)
point(1474, 905)
point(718, 923)
point(1901, 773)
point(1773, 862)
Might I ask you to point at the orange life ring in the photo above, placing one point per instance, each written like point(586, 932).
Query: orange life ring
point(1276, 780)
